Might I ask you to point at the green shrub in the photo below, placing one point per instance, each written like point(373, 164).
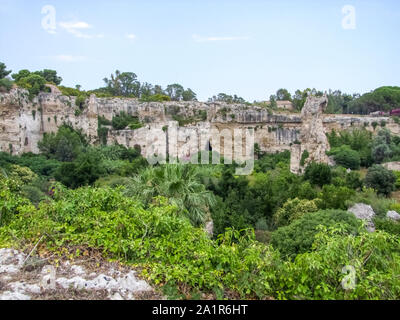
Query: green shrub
point(333, 197)
point(11, 202)
point(318, 173)
point(304, 157)
point(387, 225)
point(81, 100)
point(65, 145)
point(346, 157)
point(326, 272)
point(293, 209)
point(397, 183)
point(33, 193)
point(121, 121)
point(298, 237)
point(380, 179)
point(23, 174)
point(6, 84)
point(34, 83)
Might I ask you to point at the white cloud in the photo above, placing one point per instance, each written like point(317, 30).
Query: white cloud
point(131, 36)
point(198, 38)
point(76, 27)
point(69, 58)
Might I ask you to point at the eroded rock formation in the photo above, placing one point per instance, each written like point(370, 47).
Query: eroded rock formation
point(23, 123)
point(313, 140)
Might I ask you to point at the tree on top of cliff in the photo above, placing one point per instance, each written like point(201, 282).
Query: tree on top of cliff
point(223, 97)
point(175, 91)
point(5, 83)
point(189, 95)
point(3, 72)
point(50, 76)
point(47, 74)
point(123, 84)
point(381, 99)
point(34, 83)
point(283, 95)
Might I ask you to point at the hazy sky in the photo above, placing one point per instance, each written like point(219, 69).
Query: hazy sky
point(250, 48)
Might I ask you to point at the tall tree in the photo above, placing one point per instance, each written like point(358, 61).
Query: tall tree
point(123, 84)
point(50, 76)
point(189, 95)
point(3, 72)
point(283, 94)
point(175, 91)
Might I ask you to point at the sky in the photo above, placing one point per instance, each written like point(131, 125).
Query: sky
point(250, 48)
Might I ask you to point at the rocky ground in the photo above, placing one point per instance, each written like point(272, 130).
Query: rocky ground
point(24, 277)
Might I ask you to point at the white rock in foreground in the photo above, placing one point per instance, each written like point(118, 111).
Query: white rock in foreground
point(16, 283)
point(364, 212)
point(393, 215)
point(8, 295)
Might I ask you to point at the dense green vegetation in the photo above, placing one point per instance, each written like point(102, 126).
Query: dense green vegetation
point(276, 234)
point(161, 239)
point(381, 99)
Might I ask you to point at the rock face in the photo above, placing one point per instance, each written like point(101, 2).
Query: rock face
point(364, 212)
point(393, 215)
point(24, 122)
point(394, 166)
point(312, 138)
point(209, 228)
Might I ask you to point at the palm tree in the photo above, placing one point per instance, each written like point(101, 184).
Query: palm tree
point(180, 184)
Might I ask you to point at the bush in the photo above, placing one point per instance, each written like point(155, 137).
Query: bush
point(397, 183)
point(293, 209)
point(387, 225)
point(298, 237)
point(11, 202)
point(85, 170)
point(326, 272)
point(34, 83)
point(346, 157)
point(304, 157)
point(121, 121)
point(333, 197)
point(33, 193)
point(23, 174)
point(318, 173)
point(66, 145)
point(6, 84)
point(353, 180)
point(380, 179)
point(305, 191)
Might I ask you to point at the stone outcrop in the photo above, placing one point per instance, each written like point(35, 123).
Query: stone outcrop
point(312, 138)
point(364, 212)
point(24, 122)
point(393, 215)
point(31, 278)
point(394, 166)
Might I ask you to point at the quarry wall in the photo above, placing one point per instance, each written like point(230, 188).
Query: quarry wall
point(24, 122)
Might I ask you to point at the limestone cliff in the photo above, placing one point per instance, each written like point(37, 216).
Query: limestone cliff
point(23, 123)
